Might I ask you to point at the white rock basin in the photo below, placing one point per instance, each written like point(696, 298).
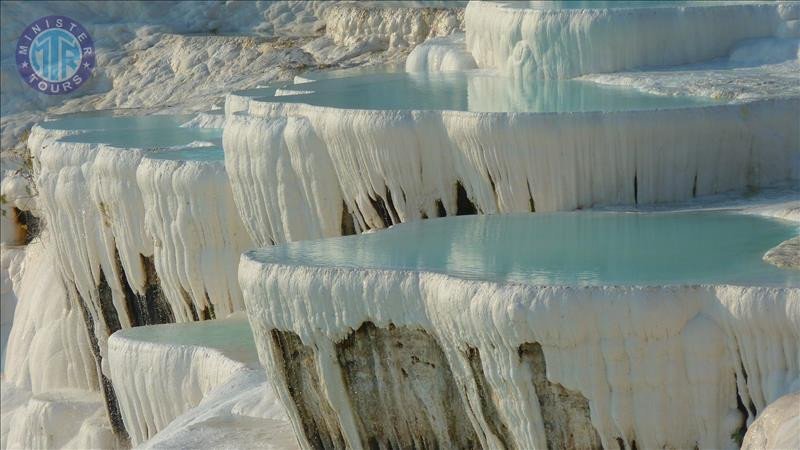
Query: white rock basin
point(530, 331)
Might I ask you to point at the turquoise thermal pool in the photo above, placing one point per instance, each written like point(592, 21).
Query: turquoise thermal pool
point(576, 249)
point(107, 120)
point(606, 4)
point(159, 131)
point(231, 336)
point(211, 153)
point(478, 91)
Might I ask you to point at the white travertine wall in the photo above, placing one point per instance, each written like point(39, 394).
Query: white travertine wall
point(442, 54)
point(294, 167)
point(114, 203)
point(389, 25)
point(156, 380)
point(533, 43)
point(196, 231)
point(661, 367)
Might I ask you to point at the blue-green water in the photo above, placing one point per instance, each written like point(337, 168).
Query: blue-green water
point(587, 248)
point(231, 336)
point(214, 153)
point(147, 132)
point(613, 4)
point(478, 91)
point(149, 137)
point(107, 120)
point(347, 72)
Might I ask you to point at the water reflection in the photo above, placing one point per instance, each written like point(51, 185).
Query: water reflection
point(478, 91)
point(568, 248)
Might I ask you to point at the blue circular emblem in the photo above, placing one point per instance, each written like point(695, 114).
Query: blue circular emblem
point(55, 55)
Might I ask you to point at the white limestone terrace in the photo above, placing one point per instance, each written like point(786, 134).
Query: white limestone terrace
point(140, 215)
point(530, 331)
point(372, 150)
point(133, 218)
point(145, 227)
point(444, 54)
point(169, 57)
point(760, 68)
point(394, 23)
point(202, 376)
point(530, 40)
point(50, 380)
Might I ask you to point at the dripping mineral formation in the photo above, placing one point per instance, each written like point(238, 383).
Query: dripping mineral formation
point(177, 275)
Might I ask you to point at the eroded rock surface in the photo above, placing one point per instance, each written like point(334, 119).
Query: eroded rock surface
point(402, 390)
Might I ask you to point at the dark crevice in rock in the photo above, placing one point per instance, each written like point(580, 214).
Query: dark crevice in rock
point(488, 407)
point(565, 413)
point(531, 203)
point(402, 390)
point(390, 206)
point(297, 361)
point(105, 299)
point(192, 309)
point(491, 183)
point(151, 308)
point(348, 225)
point(751, 407)
point(440, 209)
point(464, 205)
point(635, 189)
point(621, 444)
point(29, 224)
point(738, 435)
point(159, 309)
point(379, 205)
point(109, 396)
point(207, 313)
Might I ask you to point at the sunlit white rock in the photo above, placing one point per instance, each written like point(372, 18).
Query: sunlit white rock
point(564, 43)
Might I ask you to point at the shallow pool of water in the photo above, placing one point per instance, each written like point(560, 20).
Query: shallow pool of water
point(213, 153)
point(150, 137)
point(612, 4)
point(156, 131)
point(231, 336)
point(587, 248)
point(479, 91)
point(108, 120)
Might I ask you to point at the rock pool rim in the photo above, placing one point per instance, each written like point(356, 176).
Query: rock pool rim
point(274, 104)
point(272, 258)
point(619, 5)
point(478, 91)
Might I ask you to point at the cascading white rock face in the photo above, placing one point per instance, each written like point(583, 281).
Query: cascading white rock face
point(105, 225)
point(388, 167)
point(298, 195)
point(125, 211)
point(390, 27)
point(531, 43)
point(48, 348)
point(156, 381)
point(196, 233)
point(50, 381)
point(443, 54)
point(661, 367)
point(206, 120)
point(65, 197)
point(74, 419)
